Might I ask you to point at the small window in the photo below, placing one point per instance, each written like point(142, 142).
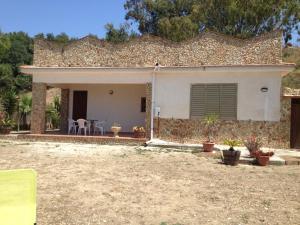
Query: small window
point(143, 104)
point(219, 99)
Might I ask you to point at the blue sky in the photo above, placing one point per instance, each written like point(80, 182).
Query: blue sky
point(77, 18)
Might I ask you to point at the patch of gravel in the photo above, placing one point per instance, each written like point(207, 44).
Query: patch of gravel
point(94, 184)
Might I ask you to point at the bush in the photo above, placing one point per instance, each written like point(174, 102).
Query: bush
point(9, 101)
point(53, 113)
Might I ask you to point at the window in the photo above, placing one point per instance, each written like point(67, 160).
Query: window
point(220, 99)
point(143, 104)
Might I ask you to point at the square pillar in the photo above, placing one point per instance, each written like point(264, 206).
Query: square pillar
point(38, 113)
point(64, 110)
point(148, 109)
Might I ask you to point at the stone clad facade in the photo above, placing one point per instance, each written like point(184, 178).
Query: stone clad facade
point(273, 134)
point(38, 114)
point(208, 48)
point(64, 110)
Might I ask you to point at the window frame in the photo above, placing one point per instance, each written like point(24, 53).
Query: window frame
point(201, 117)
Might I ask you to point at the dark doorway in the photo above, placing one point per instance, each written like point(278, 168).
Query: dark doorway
point(79, 105)
point(295, 123)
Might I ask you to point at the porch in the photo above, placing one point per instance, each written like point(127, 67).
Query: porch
point(124, 104)
point(56, 136)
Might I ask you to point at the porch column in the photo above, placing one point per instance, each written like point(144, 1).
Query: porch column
point(148, 109)
point(64, 110)
point(38, 108)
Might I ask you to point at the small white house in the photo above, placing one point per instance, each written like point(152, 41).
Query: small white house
point(240, 80)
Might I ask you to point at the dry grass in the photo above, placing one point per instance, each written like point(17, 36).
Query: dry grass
point(89, 184)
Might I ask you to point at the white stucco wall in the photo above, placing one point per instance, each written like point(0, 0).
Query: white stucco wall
point(173, 93)
point(86, 77)
point(123, 106)
point(173, 86)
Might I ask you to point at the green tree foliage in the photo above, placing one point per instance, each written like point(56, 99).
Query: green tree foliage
point(61, 38)
point(9, 101)
point(4, 45)
point(234, 17)
point(116, 35)
point(53, 113)
point(25, 106)
point(6, 77)
point(20, 52)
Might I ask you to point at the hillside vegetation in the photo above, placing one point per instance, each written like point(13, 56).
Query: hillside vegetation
point(292, 55)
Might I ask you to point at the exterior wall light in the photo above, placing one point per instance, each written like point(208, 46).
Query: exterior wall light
point(264, 89)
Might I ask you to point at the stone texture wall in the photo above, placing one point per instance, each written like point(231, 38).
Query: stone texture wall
point(148, 109)
point(38, 113)
point(208, 48)
point(64, 110)
point(291, 92)
point(273, 134)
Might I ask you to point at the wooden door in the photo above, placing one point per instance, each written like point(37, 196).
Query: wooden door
point(79, 105)
point(295, 123)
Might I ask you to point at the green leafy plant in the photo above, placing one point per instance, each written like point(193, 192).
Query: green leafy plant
point(9, 101)
point(53, 113)
point(25, 106)
point(232, 143)
point(7, 123)
point(211, 126)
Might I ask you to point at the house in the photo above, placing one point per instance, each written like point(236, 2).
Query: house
point(240, 80)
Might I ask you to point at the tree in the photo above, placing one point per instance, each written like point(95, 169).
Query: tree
point(116, 35)
point(234, 17)
point(6, 77)
point(39, 35)
point(61, 38)
point(25, 105)
point(4, 45)
point(9, 101)
point(19, 53)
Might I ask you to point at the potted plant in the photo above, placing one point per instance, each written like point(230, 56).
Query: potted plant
point(139, 132)
point(116, 128)
point(253, 145)
point(263, 158)
point(231, 156)
point(6, 125)
point(211, 127)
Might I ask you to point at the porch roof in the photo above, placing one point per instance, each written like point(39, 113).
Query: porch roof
point(284, 67)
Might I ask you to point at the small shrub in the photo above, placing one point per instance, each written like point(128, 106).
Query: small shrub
point(211, 126)
point(253, 143)
point(138, 129)
point(232, 143)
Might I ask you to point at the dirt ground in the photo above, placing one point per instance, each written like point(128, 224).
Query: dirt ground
point(90, 185)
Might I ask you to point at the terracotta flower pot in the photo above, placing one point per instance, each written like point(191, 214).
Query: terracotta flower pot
point(139, 134)
point(208, 146)
point(253, 153)
point(263, 160)
point(231, 157)
point(5, 130)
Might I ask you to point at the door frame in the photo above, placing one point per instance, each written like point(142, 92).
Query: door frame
point(73, 102)
point(294, 101)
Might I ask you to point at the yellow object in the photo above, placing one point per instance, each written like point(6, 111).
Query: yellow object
point(17, 197)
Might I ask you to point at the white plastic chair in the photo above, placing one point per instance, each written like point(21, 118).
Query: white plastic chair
point(88, 126)
point(100, 126)
point(81, 126)
point(72, 126)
